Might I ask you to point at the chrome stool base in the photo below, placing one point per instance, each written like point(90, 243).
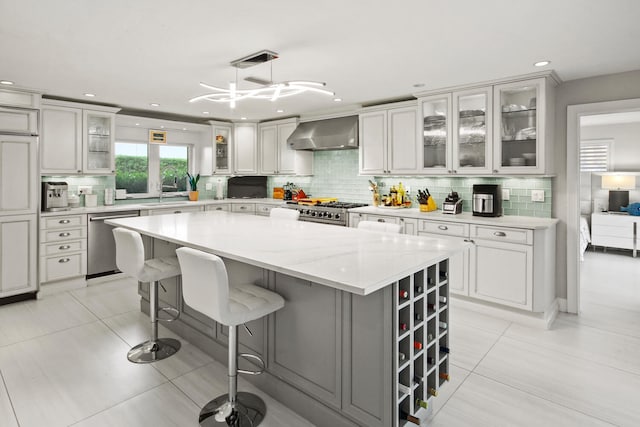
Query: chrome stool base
point(151, 351)
point(251, 410)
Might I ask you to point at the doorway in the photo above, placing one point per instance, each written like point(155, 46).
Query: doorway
point(577, 115)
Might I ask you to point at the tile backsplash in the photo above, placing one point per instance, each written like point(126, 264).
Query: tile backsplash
point(336, 175)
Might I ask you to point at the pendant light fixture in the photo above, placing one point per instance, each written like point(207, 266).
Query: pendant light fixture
point(270, 90)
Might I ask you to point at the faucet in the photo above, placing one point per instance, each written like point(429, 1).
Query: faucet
point(163, 186)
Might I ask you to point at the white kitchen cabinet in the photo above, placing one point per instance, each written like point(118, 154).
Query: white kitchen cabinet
point(523, 122)
point(76, 138)
point(502, 266)
point(389, 140)
point(221, 159)
point(615, 231)
point(63, 248)
point(458, 263)
point(248, 208)
point(224, 207)
point(264, 209)
point(18, 175)
point(19, 121)
point(503, 128)
point(276, 157)
point(245, 156)
point(18, 249)
point(175, 210)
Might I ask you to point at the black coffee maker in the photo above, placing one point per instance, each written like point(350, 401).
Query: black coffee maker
point(487, 200)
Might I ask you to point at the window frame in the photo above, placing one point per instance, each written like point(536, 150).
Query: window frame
point(153, 169)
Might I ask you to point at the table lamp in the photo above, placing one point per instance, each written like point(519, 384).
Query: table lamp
point(618, 186)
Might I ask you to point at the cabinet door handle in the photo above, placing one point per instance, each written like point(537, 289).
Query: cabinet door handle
point(500, 234)
point(64, 234)
point(443, 227)
point(243, 207)
point(64, 221)
point(64, 260)
point(381, 220)
point(469, 240)
point(218, 209)
point(495, 171)
point(177, 212)
point(401, 219)
point(64, 247)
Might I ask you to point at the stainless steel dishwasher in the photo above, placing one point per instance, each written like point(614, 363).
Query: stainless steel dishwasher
point(101, 251)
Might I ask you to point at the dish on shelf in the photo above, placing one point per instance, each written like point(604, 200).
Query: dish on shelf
point(513, 107)
point(526, 133)
point(517, 161)
point(471, 113)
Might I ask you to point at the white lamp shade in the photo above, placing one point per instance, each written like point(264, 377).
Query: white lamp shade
point(618, 182)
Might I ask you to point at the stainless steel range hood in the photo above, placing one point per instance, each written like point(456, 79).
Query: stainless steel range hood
point(331, 134)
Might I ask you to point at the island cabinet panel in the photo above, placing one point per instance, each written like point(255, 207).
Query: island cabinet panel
point(305, 338)
point(368, 348)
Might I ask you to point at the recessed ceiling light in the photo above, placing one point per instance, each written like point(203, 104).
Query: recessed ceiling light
point(337, 99)
point(90, 95)
point(161, 127)
point(542, 63)
point(205, 112)
point(279, 111)
point(184, 128)
point(6, 82)
point(243, 118)
point(137, 124)
point(153, 104)
point(418, 85)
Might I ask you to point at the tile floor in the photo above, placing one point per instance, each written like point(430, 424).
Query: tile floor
point(62, 363)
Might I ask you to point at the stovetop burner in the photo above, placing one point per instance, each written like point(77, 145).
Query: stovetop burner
point(327, 212)
point(341, 205)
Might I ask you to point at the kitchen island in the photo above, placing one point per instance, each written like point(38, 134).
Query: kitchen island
point(360, 337)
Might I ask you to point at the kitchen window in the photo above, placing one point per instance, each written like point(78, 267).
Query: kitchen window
point(145, 170)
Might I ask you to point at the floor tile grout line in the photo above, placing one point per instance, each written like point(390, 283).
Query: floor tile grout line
point(617, 368)
point(120, 403)
point(13, 409)
point(452, 393)
point(544, 398)
point(492, 346)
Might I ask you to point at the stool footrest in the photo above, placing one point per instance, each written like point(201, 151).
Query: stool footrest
point(173, 312)
point(254, 357)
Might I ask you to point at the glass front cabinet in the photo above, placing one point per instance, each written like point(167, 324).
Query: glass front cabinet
point(472, 131)
point(436, 134)
point(519, 126)
point(98, 134)
point(222, 152)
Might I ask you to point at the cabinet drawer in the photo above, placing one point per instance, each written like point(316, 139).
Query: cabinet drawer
point(18, 120)
point(380, 218)
point(264, 210)
point(62, 235)
point(502, 234)
point(218, 207)
point(243, 207)
point(62, 248)
point(65, 221)
point(176, 210)
point(63, 267)
point(441, 227)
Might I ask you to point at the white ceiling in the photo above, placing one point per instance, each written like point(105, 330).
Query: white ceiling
point(133, 53)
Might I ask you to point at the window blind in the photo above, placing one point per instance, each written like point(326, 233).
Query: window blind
point(595, 156)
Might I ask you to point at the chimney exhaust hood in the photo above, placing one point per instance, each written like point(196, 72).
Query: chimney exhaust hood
point(331, 134)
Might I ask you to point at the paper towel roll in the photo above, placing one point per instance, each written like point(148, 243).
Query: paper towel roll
point(219, 190)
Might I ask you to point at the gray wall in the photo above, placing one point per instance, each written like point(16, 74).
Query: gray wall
point(611, 87)
point(626, 143)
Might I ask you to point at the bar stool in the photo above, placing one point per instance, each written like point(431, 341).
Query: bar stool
point(205, 287)
point(384, 227)
point(283, 213)
point(130, 260)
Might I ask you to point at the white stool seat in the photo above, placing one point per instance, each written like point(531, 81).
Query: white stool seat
point(158, 269)
point(249, 302)
point(383, 227)
point(284, 214)
point(130, 260)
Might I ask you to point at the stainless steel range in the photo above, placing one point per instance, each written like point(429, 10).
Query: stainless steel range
point(326, 213)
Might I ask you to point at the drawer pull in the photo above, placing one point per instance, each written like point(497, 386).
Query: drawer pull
point(218, 209)
point(443, 227)
point(177, 211)
point(64, 221)
point(67, 234)
point(500, 234)
point(243, 207)
point(381, 220)
point(64, 260)
point(64, 247)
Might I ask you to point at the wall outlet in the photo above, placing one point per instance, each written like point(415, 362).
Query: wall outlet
point(208, 186)
point(537, 195)
point(84, 189)
point(506, 194)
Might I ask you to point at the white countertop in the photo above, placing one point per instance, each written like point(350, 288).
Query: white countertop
point(528, 222)
point(352, 260)
point(167, 203)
